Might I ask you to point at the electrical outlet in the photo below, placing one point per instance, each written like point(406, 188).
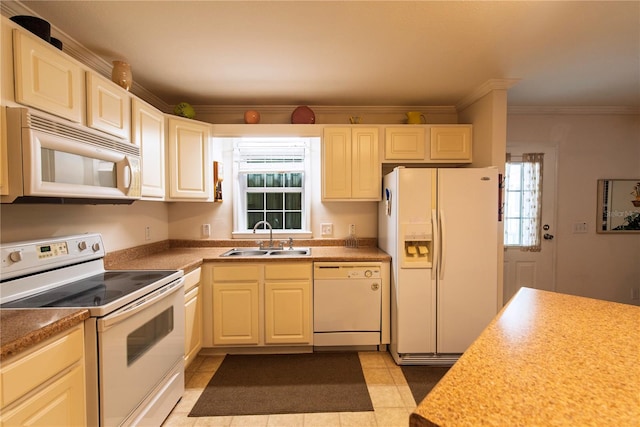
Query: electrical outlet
point(327, 229)
point(147, 233)
point(352, 229)
point(206, 230)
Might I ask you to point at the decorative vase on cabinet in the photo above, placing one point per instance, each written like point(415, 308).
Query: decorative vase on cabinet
point(121, 74)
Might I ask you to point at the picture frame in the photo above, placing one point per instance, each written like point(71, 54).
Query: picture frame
point(618, 206)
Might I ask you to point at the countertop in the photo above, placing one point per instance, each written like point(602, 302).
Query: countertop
point(188, 259)
point(23, 328)
point(547, 359)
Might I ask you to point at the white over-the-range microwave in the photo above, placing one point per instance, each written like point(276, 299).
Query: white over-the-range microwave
point(51, 160)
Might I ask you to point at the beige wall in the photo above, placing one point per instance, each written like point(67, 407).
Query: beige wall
point(122, 226)
point(590, 147)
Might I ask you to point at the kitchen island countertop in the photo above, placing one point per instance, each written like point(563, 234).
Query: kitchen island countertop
point(547, 359)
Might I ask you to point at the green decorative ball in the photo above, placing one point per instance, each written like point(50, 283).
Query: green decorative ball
point(185, 110)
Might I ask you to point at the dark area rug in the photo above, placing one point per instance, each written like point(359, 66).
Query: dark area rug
point(422, 379)
point(284, 384)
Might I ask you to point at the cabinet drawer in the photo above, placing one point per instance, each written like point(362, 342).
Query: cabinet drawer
point(236, 273)
point(28, 371)
point(192, 279)
point(287, 271)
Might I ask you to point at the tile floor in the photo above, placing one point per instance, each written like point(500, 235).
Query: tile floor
point(391, 397)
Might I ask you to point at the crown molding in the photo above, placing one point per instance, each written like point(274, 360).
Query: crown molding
point(573, 110)
point(325, 109)
point(485, 88)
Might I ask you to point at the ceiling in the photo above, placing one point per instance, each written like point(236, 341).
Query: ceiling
point(369, 53)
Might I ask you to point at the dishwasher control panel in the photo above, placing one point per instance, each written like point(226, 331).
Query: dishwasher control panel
point(326, 270)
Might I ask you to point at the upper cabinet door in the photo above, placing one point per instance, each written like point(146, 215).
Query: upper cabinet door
point(47, 79)
point(336, 163)
point(108, 106)
point(190, 171)
point(147, 131)
point(351, 165)
point(405, 143)
point(451, 143)
point(366, 181)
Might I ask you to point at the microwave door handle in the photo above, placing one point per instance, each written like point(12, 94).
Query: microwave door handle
point(133, 308)
point(127, 174)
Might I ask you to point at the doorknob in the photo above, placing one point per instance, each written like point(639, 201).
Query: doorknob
point(548, 236)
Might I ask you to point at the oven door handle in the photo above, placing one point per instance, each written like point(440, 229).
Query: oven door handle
point(139, 305)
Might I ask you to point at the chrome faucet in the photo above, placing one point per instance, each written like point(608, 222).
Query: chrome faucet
point(270, 232)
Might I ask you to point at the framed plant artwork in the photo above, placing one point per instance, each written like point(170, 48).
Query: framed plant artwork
point(618, 206)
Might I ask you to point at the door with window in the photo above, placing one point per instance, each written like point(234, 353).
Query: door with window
point(529, 241)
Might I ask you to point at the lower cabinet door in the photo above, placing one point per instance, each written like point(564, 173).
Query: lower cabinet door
point(288, 312)
point(235, 313)
point(62, 403)
point(193, 325)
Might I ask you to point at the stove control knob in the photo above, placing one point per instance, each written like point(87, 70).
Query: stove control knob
point(15, 256)
point(82, 245)
point(95, 247)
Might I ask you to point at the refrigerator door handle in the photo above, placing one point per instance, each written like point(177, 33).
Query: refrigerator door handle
point(443, 245)
point(436, 253)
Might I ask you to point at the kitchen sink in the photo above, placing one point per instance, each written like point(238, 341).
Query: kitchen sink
point(290, 252)
point(243, 252)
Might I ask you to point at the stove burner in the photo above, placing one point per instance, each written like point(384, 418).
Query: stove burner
point(95, 291)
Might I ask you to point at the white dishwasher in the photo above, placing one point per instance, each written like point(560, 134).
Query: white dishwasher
point(347, 300)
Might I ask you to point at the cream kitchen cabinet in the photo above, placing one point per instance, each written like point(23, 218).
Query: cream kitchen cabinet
point(45, 386)
point(147, 131)
point(46, 78)
point(190, 167)
point(406, 143)
point(351, 167)
point(236, 311)
point(261, 304)
point(428, 144)
point(193, 316)
point(4, 165)
point(108, 106)
point(450, 143)
point(288, 298)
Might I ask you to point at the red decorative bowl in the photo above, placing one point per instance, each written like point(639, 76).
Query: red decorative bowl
point(303, 115)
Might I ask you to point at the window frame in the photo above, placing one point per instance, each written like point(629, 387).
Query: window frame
point(240, 230)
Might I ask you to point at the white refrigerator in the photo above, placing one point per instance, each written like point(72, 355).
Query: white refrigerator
point(440, 227)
